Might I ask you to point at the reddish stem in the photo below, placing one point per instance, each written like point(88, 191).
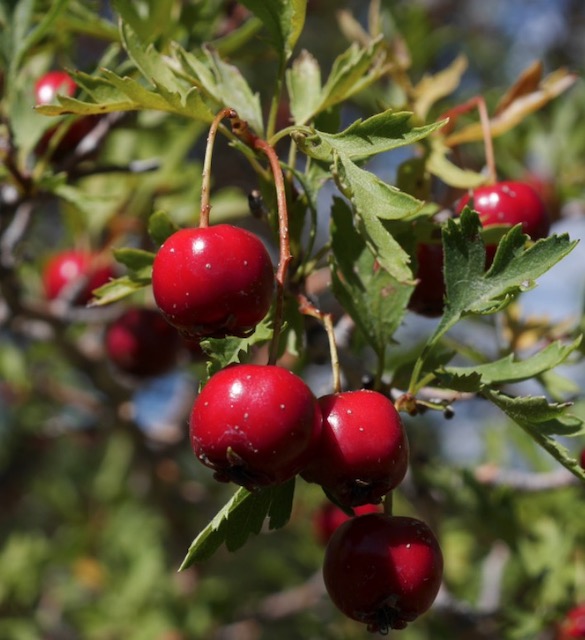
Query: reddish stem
point(241, 129)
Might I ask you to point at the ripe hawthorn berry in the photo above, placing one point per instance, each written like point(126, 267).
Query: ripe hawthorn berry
point(213, 281)
point(75, 272)
point(46, 89)
point(329, 517)
point(383, 570)
point(428, 296)
point(141, 342)
point(363, 451)
point(255, 425)
point(509, 203)
point(573, 626)
point(582, 458)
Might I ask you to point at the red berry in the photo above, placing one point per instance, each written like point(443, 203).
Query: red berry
point(510, 203)
point(573, 626)
point(52, 83)
point(428, 296)
point(75, 273)
point(363, 451)
point(329, 517)
point(383, 570)
point(213, 281)
point(46, 89)
point(142, 343)
point(582, 458)
point(255, 425)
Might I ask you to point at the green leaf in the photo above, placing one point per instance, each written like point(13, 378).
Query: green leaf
point(225, 351)
point(149, 61)
point(373, 202)
point(21, 38)
point(373, 298)
point(241, 516)
point(134, 259)
point(364, 138)
point(118, 289)
point(160, 227)
point(149, 27)
point(222, 82)
point(439, 165)
point(352, 71)
point(471, 290)
point(541, 420)
point(283, 19)
point(114, 93)
point(509, 369)
point(303, 81)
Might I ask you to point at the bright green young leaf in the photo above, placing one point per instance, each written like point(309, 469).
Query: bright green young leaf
point(134, 259)
point(160, 227)
point(241, 516)
point(120, 288)
point(352, 71)
point(373, 202)
point(364, 138)
point(509, 369)
point(149, 61)
point(373, 298)
point(283, 19)
point(223, 83)
point(303, 81)
point(542, 420)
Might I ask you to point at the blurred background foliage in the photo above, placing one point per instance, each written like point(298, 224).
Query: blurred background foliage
point(100, 495)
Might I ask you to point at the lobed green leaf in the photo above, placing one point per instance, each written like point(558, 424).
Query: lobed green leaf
point(283, 19)
point(244, 514)
point(364, 138)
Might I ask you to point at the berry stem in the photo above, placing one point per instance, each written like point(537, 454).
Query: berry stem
point(308, 308)
point(477, 102)
point(206, 175)
point(241, 129)
point(490, 160)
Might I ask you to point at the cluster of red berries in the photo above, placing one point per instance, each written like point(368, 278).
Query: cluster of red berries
point(504, 203)
point(261, 425)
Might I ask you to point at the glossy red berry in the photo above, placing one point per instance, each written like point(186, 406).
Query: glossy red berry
point(213, 281)
point(76, 274)
point(329, 517)
point(255, 425)
point(46, 89)
point(510, 203)
point(573, 626)
point(363, 451)
point(141, 342)
point(52, 83)
point(382, 570)
point(428, 297)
